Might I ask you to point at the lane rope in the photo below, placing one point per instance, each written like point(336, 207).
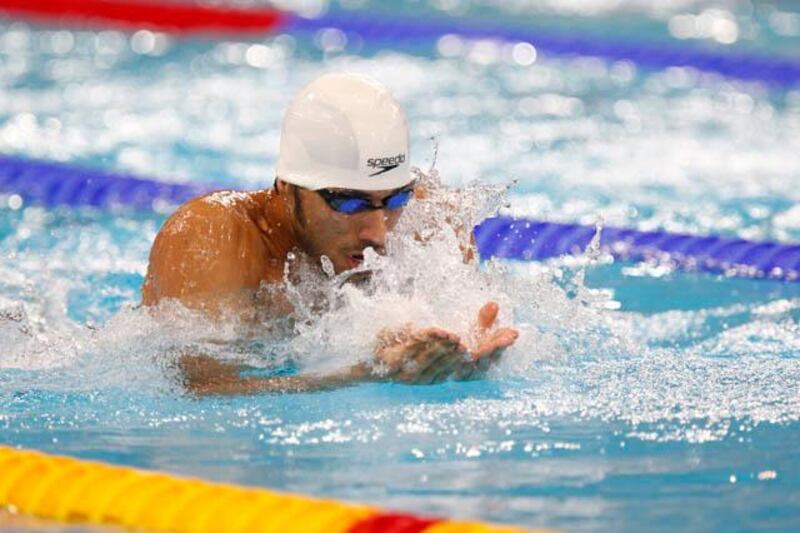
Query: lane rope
point(398, 30)
point(58, 184)
point(526, 240)
point(131, 14)
point(83, 492)
point(405, 30)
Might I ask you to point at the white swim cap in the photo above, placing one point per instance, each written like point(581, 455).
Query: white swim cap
point(344, 131)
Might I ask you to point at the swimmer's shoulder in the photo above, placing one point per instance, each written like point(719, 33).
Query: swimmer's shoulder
point(208, 247)
point(241, 223)
point(248, 227)
point(235, 205)
point(216, 211)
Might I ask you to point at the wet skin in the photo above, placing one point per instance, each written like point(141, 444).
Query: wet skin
point(215, 252)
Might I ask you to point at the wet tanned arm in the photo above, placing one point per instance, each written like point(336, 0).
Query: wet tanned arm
point(204, 376)
point(419, 357)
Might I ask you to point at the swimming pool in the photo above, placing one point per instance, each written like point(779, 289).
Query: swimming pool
point(679, 409)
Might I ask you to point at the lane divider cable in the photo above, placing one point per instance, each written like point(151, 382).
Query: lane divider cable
point(59, 184)
point(76, 491)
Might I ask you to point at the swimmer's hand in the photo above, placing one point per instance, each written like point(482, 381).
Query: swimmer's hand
point(490, 343)
point(419, 357)
point(422, 357)
point(433, 355)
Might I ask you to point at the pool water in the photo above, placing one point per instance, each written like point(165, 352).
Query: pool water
point(637, 397)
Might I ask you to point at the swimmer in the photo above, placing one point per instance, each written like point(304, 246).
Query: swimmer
point(343, 179)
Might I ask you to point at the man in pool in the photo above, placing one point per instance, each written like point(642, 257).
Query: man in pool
point(343, 178)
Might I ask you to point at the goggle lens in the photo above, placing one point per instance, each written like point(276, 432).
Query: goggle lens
point(350, 205)
point(398, 199)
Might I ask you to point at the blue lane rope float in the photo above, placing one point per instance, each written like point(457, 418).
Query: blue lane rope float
point(59, 184)
point(527, 240)
point(404, 30)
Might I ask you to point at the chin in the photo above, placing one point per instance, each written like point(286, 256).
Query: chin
point(341, 265)
point(359, 277)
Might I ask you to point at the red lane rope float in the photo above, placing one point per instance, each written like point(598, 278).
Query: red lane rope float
point(128, 14)
point(393, 523)
point(84, 492)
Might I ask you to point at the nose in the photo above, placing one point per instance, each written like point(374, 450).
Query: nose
point(372, 229)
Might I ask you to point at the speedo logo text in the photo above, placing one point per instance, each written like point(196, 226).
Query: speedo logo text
point(385, 164)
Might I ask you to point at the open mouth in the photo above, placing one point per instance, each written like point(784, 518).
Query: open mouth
point(353, 260)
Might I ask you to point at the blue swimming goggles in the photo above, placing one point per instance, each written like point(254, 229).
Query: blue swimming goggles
point(350, 204)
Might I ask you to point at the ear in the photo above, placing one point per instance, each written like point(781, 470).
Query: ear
point(282, 187)
point(291, 196)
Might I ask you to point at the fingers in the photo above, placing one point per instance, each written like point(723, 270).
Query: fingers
point(433, 355)
point(487, 315)
point(446, 361)
point(450, 369)
point(478, 367)
point(489, 352)
point(430, 356)
point(483, 364)
point(434, 334)
point(450, 365)
point(466, 372)
point(505, 337)
point(437, 361)
point(397, 350)
point(498, 340)
point(452, 354)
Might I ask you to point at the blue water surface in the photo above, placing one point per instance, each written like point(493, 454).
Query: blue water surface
point(697, 428)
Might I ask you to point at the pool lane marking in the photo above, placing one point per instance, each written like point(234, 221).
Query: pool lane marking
point(405, 30)
point(129, 14)
point(54, 184)
point(393, 523)
point(78, 491)
point(61, 184)
point(401, 30)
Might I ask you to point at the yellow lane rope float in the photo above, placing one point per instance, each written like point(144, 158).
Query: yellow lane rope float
point(75, 491)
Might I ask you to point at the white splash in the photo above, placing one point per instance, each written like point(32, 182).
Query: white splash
point(424, 280)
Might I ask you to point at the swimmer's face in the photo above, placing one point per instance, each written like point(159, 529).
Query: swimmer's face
point(339, 236)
